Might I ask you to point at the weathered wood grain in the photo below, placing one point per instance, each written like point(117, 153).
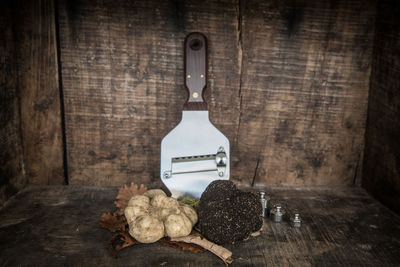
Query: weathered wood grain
point(288, 85)
point(382, 147)
point(122, 68)
point(304, 91)
point(12, 177)
point(58, 226)
point(39, 92)
point(31, 146)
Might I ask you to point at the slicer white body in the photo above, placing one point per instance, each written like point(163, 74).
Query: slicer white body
point(194, 137)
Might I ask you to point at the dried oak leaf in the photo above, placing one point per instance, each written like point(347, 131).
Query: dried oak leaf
point(125, 193)
point(113, 222)
point(166, 241)
point(120, 241)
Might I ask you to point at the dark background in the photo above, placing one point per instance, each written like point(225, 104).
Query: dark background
point(306, 91)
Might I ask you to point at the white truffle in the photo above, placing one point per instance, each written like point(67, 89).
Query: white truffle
point(139, 200)
point(164, 202)
point(163, 213)
point(154, 215)
point(146, 229)
point(132, 212)
point(177, 225)
point(190, 213)
point(154, 192)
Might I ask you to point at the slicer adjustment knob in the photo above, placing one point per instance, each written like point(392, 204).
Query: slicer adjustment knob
point(220, 158)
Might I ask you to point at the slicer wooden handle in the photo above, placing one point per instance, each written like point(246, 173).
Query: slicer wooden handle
point(195, 70)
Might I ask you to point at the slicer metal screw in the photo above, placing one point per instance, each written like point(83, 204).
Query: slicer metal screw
point(221, 174)
point(221, 148)
point(167, 174)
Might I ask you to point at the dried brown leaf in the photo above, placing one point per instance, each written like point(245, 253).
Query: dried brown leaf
point(182, 245)
point(120, 241)
point(113, 222)
point(125, 193)
point(127, 239)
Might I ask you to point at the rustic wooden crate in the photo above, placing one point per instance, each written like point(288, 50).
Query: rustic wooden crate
point(288, 84)
point(306, 91)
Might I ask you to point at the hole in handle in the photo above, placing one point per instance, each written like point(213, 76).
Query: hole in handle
point(196, 44)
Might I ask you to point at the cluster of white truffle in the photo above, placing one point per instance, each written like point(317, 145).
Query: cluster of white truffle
point(153, 215)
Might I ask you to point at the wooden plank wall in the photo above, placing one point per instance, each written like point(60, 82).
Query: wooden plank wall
point(11, 177)
point(304, 88)
point(30, 122)
point(288, 85)
point(382, 147)
point(122, 67)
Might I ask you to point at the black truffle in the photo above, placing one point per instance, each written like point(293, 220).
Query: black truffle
point(227, 214)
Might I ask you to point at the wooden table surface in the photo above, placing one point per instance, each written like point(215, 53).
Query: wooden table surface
point(58, 226)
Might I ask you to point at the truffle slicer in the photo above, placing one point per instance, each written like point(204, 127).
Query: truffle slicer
point(195, 152)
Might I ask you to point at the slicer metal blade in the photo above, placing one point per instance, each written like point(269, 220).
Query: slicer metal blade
point(195, 137)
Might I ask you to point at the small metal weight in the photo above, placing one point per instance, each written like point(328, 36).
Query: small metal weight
point(264, 203)
point(277, 213)
point(295, 220)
